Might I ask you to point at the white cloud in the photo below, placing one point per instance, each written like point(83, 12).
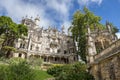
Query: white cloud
point(87, 2)
point(118, 35)
point(51, 12)
point(19, 8)
point(66, 24)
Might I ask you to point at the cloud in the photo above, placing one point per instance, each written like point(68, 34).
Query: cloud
point(18, 9)
point(118, 35)
point(88, 2)
point(51, 12)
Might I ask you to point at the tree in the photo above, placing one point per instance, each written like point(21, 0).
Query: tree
point(114, 28)
point(82, 20)
point(11, 32)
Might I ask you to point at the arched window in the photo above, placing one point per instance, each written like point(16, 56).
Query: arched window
point(20, 45)
point(65, 52)
point(23, 46)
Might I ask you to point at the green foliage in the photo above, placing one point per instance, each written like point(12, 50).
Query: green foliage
point(15, 60)
point(76, 71)
point(42, 75)
point(4, 72)
point(11, 32)
point(11, 29)
point(9, 48)
point(55, 71)
point(35, 62)
point(82, 20)
point(19, 71)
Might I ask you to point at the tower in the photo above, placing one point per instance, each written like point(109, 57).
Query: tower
point(91, 49)
point(110, 30)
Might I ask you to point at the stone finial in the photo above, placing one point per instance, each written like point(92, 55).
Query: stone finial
point(37, 18)
point(63, 28)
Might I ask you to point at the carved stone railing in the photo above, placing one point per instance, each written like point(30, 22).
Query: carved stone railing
point(111, 50)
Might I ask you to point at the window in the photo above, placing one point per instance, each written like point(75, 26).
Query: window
point(65, 51)
point(45, 59)
point(31, 47)
point(58, 51)
point(68, 42)
point(21, 45)
point(37, 48)
point(55, 59)
point(38, 38)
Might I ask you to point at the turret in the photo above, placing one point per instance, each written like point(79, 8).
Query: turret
point(109, 28)
point(37, 20)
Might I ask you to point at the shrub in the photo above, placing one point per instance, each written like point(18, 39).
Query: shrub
point(35, 61)
point(76, 71)
point(15, 60)
point(16, 71)
point(4, 72)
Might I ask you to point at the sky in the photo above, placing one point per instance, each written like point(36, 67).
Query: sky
point(57, 13)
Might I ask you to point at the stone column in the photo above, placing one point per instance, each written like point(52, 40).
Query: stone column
point(102, 44)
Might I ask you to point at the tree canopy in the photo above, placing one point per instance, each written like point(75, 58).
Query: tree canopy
point(81, 20)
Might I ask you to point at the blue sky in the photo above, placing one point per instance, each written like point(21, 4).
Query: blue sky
point(59, 12)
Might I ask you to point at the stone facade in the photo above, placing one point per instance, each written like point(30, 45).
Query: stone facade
point(49, 44)
point(104, 54)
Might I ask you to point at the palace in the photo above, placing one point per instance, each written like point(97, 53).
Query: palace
point(53, 46)
point(49, 44)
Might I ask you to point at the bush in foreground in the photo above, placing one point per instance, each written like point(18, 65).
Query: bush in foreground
point(76, 71)
point(20, 71)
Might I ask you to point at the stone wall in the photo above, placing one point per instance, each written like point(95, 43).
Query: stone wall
point(108, 69)
point(106, 65)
